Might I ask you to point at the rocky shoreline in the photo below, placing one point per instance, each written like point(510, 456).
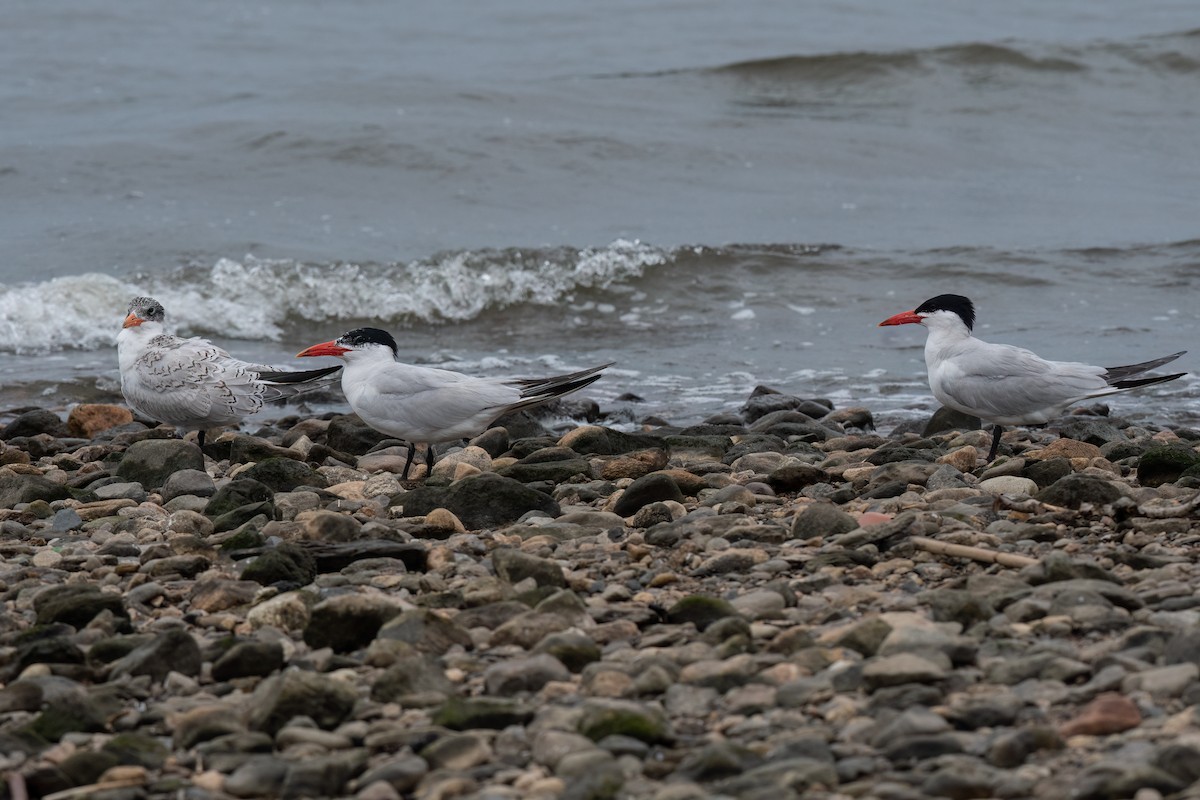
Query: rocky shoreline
point(778, 603)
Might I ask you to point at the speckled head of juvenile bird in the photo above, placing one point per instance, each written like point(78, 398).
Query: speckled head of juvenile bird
point(143, 309)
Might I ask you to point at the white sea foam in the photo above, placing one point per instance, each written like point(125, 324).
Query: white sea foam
point(254, 298)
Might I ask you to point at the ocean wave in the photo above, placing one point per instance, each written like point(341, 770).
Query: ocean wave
point(256, 298)
point(976, 63)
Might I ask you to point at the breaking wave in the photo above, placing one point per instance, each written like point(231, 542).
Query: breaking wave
point(255, 298)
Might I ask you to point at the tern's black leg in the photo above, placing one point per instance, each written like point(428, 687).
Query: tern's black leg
point(428, 460)
point(200, 437)
point(412, 452)
point(996, 431)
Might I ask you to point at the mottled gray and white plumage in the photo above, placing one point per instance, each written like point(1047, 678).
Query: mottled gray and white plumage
point(191, 383)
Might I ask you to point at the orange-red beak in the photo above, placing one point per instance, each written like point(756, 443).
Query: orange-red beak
point(323, 349)
point(906, 318)
point(132, 320)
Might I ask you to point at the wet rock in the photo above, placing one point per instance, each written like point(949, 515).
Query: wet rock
point(524, 674)
point(555, 471)
point(481, 501)
point(348, 622)
point(411, 674)
point(171, 651)
point(348, 434)
point(647, 489)
point(781, 778)
point(1013, 748)
point(624, 718)
point(76, 604)
point(700, 610)
point(1092, 430)
point(823, 520)
point(899, 669)
point(947, 419)
point(323, 776)
point(467, 713)
point(515, 566)
point(32, 423)
point(403, 773)
point(427, 631)
point(20, 488)
point(249, 658)
point(320, 525)
point(285, 564)
point(188, 482)
point(237, 494)
point(1165, 464)
point(327, 701)
point(284, 474)
point(137, 748)
point(457, 752)
point(151, 462)
point(794, 477)
point(595, 440)
point(573, 649)
point(1074, 490)
point(1179, 760)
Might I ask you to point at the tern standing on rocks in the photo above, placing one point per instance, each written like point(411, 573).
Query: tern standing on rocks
point(428, 405)
point(1008, 385)
point(191, 383)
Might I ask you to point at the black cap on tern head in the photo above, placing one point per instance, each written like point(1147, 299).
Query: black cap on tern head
point(147, 308)
point(360, 336)
point(950, 302)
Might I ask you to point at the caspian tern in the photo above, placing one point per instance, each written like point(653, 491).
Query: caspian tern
point(191, 383)
point(428, 405)
point(1008, 385)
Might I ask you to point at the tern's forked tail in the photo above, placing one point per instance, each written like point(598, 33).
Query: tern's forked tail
point(1115, 375)
point(1136, 382)
point(538, 390)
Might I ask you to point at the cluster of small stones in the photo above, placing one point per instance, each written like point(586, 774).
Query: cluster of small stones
point(745, 608)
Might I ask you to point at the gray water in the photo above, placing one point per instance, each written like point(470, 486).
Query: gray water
point(715, 195)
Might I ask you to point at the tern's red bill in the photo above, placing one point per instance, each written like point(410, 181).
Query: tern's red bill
point(132, 320)
point(324, 349)
point(903, 319)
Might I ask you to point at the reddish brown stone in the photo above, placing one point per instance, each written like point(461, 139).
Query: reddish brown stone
point(1108, 713)
point(88, 419)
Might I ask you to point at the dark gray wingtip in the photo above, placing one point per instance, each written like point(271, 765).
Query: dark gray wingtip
point(299, 376)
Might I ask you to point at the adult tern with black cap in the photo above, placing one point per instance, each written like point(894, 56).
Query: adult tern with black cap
point(429, 405)
point(1008, 385)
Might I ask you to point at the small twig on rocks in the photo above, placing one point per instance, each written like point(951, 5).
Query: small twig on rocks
point(1026, 505)
point(92, 788)
point(1170, 511)
point(973, 553)
point(16, 786)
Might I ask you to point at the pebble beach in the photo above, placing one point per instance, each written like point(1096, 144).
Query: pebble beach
point(777, 603)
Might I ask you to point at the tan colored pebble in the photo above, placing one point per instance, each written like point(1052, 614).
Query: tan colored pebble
point(963, 459)
point(210, 780)
point(123, 774)
point(349, 490)
point(444, 519)
point(610, 683)
point(465, 471)
point(47, 559)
